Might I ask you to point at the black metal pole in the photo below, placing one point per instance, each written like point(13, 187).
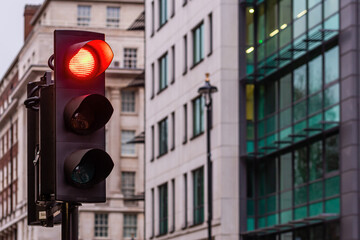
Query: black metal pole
point(70, 221)
point(209, 163)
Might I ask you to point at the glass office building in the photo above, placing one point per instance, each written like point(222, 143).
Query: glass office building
point(293, 119)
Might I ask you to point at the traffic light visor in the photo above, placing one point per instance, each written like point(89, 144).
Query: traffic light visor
point(90, 59)
point(87, 167)
point(87, 113)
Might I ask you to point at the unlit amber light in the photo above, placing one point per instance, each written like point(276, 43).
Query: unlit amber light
point(82, 64)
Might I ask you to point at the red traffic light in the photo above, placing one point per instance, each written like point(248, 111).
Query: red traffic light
point(89, 59)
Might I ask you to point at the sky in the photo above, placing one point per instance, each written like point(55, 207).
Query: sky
point(12, 30)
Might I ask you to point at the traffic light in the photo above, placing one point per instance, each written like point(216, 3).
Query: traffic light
point(79, 115)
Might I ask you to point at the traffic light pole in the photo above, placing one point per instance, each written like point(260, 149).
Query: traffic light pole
point(70, 221)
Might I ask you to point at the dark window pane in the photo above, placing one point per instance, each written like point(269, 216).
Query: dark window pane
point(270, 98)
point(332, 231)
point(285, 171)
point(300, 83)
point(285, 91)
point(261, 102)
point(261, 23)
point(315, 103)
point(316, 233)
point(332, 95)
point(286, 200)
point(300, 111)
point(315, 74)
point(315, 191)
point(249, 27)
point(332, 153)
point(300, 195)
point(300, 166)
point(332, 186)
point(315, 163)
point(285, 118)
point(332, 65)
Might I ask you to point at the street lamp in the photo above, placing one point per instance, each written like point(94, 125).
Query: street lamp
point(206, 90)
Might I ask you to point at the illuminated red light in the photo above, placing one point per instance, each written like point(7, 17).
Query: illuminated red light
point(82, 64)
point(91, 60)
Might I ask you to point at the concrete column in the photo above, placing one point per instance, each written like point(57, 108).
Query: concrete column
point(349, 128)
point(114, 140)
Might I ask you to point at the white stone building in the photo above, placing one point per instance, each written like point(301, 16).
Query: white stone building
point(185, 40)
point(118, 218)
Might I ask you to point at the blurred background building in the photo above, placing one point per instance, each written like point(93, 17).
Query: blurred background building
point(123, 24)
point(285, 119)
point(185, 40)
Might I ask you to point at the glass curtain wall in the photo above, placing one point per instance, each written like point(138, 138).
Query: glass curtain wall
point(280, 31)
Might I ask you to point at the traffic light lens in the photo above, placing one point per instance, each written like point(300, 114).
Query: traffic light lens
point(83, 173)
point(82, 64)
point(82, 121)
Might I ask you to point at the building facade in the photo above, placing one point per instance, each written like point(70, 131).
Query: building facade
point(120, 217)
point(285, 131)
point(298, 73)
point(185, 40)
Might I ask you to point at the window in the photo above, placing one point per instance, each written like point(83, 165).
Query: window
point(210, 33)
point(127, 101)
point(163, 209)
point(185, 201)
point(281, 25)
point(163, 72)
point(152, 18)
point(173, 130)
point(185, 123)
point(198, 44)
point(163, 137)
point(152, 212)
point(152, 80)
point(101, 225)
point(173, 8)
point(128, 183)
point(198, 185)
point(173, 203)
point(173, 64)
point(297, 102)
point(152, 143)
point(198, 116)
point(130, 58)
point(83, 18)
point(296, 184)
point(127, 148)
point(162, 12)
point(112, 16)
point(185, 55)
point(130, 225)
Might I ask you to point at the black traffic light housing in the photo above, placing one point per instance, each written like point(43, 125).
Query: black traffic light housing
point(81, 112)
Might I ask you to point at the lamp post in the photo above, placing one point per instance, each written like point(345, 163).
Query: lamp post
point(206, 90)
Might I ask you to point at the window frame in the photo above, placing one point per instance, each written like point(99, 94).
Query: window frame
point(101, 227)
point(198, 116)
point(198, 47)
point(163, 209)
point(112, 22)
point(130, 58)
point(198, 196)
point(127, 226)
point(163, 72)
point(83, 20)
point(163, 133)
